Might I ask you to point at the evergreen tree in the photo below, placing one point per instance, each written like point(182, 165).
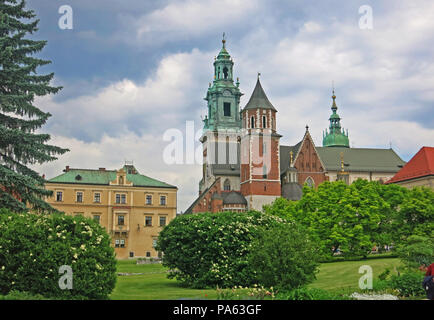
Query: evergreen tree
point(20, 145)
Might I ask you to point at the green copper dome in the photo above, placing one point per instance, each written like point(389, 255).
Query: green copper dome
point(336, 136)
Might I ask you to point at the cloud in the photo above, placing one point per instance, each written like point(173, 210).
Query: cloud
point(166, 99)
point(180, 20)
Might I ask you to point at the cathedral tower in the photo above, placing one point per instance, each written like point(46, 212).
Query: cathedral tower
point(222, 126)
point(260, 164)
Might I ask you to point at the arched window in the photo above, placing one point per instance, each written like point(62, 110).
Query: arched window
point(225, 72)
point(227, 185)
point(252, 122)
point(264, 172)
point(264, 121)
point(309, 182)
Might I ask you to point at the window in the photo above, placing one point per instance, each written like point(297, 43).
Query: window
point(121, 198)
point(79, 196)
point(162, 221)
point(264, 172)
point(252, 122)
point(225, 72)
point(227, 185)
point(226, 109)
point(264, 147)
point(148, 221)
point(310, 183)
point(163, 200)
point(131, 254)
point(148, 199)
point(122, 243)
point(121, 180)
point(59, 196)
point(264, 121)
point(117, 243)
point(97, 197)
point(148, 254)
point(121, 220)
point(97, 218)
point(154, 242)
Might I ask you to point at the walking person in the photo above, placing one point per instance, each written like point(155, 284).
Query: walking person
point(428, 282)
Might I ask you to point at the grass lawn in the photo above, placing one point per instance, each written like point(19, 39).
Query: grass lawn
point(344, 275)
point(154, 285)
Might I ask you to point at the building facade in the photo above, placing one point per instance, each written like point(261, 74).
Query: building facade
point(132, 207)
point(245, 165)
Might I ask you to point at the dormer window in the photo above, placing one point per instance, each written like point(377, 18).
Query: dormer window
point(121, 180)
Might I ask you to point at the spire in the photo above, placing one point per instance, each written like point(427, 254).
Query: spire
point(258, 98)
point(334, 106)
point(336, 136)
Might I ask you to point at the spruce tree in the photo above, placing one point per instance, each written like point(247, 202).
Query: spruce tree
point(21, 146)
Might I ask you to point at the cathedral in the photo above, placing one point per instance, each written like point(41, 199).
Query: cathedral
point(244, 164)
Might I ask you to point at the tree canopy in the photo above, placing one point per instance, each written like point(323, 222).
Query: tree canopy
point(20, 145)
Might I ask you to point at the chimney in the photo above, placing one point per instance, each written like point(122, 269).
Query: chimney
point(101, 169)
point(66, 169)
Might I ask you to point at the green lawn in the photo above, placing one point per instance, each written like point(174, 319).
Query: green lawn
point(154, 285)
point(345, 275)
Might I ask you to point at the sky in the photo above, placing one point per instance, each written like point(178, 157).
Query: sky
point(131, 70)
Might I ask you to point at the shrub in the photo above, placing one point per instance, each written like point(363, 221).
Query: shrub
point(408, 284)
point(310, 294)
point(33, 248)
point(283, 257)
point(18, 295)
point(210, 249)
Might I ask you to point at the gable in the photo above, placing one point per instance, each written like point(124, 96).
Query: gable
point(307, 158)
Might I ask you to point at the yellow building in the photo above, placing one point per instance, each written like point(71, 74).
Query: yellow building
point(132, 207)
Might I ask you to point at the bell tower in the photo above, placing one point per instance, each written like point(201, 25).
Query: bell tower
point(223, 96)
point(222, 124)
point(260, 164)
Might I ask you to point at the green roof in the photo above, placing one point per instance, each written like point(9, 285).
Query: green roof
point(103, 177)
point(360, 159)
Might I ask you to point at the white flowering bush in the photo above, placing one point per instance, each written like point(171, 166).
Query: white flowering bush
point(34, 246)
point(211, 249)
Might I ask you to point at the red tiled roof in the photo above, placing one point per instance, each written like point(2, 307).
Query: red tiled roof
point(421, 165)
